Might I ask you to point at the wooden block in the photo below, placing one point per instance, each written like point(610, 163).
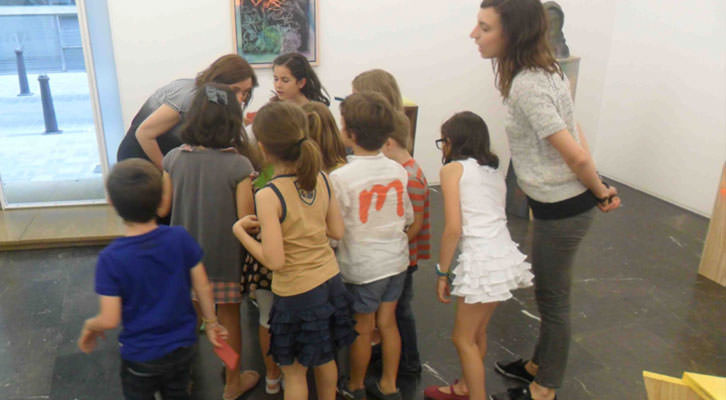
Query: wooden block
point(662, 387)
point(713, 260)
point(707, 386)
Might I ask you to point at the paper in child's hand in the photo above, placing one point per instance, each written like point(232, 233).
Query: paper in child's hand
point(227, 354)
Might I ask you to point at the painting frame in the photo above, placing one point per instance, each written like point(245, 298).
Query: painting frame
point(275, 22)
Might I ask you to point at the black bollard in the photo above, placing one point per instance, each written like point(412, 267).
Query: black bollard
point(22, 73)
point(51, 126)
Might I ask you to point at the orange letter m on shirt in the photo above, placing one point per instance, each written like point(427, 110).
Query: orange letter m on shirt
point(380, 191)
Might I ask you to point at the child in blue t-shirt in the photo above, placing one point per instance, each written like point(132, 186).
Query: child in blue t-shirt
point(143, 280)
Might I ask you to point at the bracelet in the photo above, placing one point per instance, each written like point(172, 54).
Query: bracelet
point(607, 199)
point(209, 321)
point(440, 273)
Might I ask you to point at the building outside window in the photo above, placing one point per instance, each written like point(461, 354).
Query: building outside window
point(52, 150)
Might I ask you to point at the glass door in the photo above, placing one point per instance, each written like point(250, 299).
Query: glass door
point(49, 130)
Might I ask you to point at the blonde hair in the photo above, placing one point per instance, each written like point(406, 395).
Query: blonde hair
point(401, 132)
point(380, 81)
point(324, 131)
point(282, 129)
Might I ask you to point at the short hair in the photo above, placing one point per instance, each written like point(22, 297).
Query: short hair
point(370, 116)
point(134, 187)
point(380, 81)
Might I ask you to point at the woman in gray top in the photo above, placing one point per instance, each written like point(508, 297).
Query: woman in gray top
point(554, 168)
point(155, 128)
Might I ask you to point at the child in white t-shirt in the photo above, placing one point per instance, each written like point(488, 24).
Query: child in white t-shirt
point(373, 255)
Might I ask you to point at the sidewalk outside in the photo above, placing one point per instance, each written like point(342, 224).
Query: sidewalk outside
point(26, 152)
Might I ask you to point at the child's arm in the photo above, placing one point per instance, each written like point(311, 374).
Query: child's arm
point(450, 175)
point(334, 219)
point(417, 194)
point(166, 193)
point(418, 218)
point(408, 208)
point(109, 317)
point(270, 252)
point(245, 202)
point(203, 290)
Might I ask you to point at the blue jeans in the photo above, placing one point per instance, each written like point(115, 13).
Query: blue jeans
point(410, 360)
point(169, 375)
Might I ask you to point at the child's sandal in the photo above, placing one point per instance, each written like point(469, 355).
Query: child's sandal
point(273, 386)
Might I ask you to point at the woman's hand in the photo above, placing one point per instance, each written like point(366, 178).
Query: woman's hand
point(611, 200)
point(443, 289)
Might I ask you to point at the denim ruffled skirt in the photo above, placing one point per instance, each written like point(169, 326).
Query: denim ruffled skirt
point(310, 327)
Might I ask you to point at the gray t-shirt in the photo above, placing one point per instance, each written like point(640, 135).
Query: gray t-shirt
point(178, 95)
point(204, 202)
point(540, 105)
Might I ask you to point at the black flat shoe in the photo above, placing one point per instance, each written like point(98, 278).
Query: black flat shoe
point(520, 393)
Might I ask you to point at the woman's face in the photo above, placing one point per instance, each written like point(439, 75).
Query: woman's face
point(488, 34)
point(243, 90)
point(286, 86)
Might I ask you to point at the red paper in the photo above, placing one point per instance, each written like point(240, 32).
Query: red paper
point(227, 354)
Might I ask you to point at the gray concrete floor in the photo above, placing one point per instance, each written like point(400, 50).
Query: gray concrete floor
point(637, 304)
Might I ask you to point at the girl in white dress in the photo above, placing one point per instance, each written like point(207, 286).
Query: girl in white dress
point(489, 265)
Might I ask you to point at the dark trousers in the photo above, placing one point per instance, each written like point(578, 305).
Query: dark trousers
point(170, 375)
point(410, 360)
point(553, 252)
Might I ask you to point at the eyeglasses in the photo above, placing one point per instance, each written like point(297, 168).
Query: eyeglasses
point(440, 143)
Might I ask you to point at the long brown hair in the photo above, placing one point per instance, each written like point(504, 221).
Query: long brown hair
point(381, 81)
point(282, 129)
point(324, 131)
point(215, 121)
point(300, 68)
point(524, 30)
point(228, 69)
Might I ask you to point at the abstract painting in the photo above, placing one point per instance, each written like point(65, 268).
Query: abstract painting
point(265, 29)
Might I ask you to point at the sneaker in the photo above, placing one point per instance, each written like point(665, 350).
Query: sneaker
point(514, 370)
point(520, 393)
point(357, 394)
point(374, 389)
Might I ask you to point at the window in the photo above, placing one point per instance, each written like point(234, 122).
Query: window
point(51, 134)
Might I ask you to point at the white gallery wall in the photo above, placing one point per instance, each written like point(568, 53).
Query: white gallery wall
point(662, 126)
point(425, 44)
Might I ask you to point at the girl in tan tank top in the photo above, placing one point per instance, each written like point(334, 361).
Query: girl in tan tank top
point(296, 214)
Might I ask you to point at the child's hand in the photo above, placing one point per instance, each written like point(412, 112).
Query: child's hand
point(443, 289)
point(248, 223)
point(87, 340)
point(215, 333)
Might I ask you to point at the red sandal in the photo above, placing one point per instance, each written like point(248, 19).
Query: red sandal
point(433, 392)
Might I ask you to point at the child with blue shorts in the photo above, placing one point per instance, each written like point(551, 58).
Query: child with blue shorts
point(373, 254)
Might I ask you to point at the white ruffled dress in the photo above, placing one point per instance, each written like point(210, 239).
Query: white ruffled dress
point(490, 264)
